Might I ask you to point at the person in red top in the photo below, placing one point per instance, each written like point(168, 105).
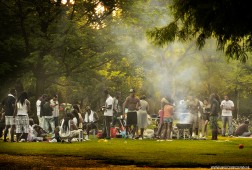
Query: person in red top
point(168, 118)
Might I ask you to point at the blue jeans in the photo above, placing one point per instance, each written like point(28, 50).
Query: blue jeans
point(49, 122)
point(226, 119)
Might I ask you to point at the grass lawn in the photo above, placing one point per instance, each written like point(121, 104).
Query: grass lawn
point(146, 153)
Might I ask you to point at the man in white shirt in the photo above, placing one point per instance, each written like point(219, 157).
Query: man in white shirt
point(90, 120)
point(227, 106)
point(108, 114)
point(55, 106)
point(38, 106)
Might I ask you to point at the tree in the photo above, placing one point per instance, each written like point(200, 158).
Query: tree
point(43, 36)
point(226, 20)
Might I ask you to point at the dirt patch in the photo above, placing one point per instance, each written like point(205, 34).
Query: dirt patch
point(49, 162)
point(46, 162)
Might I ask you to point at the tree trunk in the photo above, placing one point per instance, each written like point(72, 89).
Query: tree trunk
point(39, 74)
point(40, 88)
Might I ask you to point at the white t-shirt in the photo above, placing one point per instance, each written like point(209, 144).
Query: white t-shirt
point(109, 101)
point(55, 106)
point(22, 110)
point(38, 107)
point(227, 105)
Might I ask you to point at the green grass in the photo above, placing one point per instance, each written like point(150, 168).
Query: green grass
point(176, 153)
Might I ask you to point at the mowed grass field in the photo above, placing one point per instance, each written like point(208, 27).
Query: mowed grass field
point(145, 153)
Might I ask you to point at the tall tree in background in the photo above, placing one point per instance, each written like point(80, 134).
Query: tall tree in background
point(226, 20)
point(43, 36)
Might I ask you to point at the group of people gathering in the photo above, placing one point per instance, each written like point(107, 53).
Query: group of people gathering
point(15, 116)
point(208, 112)
point(133, 111)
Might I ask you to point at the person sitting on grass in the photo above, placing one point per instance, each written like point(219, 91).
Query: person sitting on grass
point(78, 120)
point(68, 130)
point(2, 123)
point(35, 134)
point(243, 129)
point(56, 136)
point(90, 121)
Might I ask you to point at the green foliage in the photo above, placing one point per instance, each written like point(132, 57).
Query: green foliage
point(71, 50)
point(227, 21)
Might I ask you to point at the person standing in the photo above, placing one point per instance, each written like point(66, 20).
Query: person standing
point(2, 122)
point(227, 106)
point(205, 117)
point(215, 105)
point(108, 114)
point(10, 114)
point(132, 103)
point(168, 118)
point(117, 111)
point(39, 103)
point(194, 108)
point(47, 112)
point(22, 120)
point(142, 119)
point(55, 105)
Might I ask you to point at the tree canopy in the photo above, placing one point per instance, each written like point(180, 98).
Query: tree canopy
point(78, 48)
point(226, 20)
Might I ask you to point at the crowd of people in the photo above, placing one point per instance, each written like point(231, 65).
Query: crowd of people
point(131, 116)
point(15, 116)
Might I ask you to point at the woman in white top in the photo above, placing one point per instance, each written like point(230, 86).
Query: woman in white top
point(78, 120)
point(142, 121)
point(68, 130)
point(22, 120)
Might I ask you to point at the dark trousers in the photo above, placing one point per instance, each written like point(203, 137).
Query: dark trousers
point(106, 126)
point(56, 121)
point(2, 126)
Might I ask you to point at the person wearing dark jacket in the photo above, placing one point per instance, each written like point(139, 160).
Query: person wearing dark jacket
point(9, 104)
point(215, 107)
point(47, 113)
